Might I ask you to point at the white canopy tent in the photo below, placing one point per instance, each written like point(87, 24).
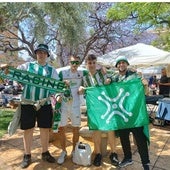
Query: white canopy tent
point(153, 70)
point(139, 55)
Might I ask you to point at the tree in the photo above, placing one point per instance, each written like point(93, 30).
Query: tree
point(106, 35)
point(68, 28)
point(17, 27)
point(153, 15)
point(70, 24)
point(33, 23)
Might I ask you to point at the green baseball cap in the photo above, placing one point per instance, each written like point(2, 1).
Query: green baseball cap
point(121, 58)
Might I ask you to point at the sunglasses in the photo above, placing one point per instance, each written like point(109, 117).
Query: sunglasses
point(75, 62)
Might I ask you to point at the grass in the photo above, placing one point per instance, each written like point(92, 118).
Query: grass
point(5, 117)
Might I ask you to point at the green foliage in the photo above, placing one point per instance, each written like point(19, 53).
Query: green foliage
point(47, 22)
point(5, 117)
point(69, 19)
point(163, 41)
point(152, 15)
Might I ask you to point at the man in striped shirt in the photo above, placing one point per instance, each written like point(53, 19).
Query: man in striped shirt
point(99, 78)
point(43, 117)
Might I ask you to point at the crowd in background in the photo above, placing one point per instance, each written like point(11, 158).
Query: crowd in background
point(160, 86)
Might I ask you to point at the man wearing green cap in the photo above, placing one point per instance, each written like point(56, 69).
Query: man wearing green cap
point(125, 74)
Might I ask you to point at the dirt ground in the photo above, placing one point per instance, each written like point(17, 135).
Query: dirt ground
point(11, 151)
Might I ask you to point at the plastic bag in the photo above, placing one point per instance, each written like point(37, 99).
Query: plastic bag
point(82, 155)
point(15, 123)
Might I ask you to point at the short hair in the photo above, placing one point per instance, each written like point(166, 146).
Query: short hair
point(90, 57)
point(164, 70)
point(75, 56)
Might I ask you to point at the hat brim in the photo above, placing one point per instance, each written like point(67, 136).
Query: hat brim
point(121, 60)
point(42, 49)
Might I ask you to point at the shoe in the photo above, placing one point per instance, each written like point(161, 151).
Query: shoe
point(114, 159)
point(146, 167)
point(97, 160)
point(26, 161)
point(47, 157)
point(62, 157)
point(125, 162)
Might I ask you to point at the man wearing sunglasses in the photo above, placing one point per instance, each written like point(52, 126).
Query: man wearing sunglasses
point(70, 109)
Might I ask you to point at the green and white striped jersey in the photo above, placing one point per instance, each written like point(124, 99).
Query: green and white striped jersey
point(128, 76)
point(35, 93)
point(97, 79)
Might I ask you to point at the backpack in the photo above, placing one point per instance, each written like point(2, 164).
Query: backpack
point(82, 155)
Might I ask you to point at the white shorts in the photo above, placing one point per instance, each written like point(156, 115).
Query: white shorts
point(70, 111)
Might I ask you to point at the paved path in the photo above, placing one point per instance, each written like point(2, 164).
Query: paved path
point(11, 152)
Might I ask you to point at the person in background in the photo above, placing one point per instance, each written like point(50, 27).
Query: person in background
point(43, 117)
point(98, 78)
point(145, 83)
point(153, 84)
point(70, 109)
point(164, 83)
point(140, 138)
point(154, 80)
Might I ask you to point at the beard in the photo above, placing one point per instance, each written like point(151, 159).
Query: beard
point(122, 70)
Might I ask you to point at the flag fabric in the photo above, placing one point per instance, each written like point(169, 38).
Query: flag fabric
point(116, 106)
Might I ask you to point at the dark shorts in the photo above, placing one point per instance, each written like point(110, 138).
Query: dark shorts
point(29, 117)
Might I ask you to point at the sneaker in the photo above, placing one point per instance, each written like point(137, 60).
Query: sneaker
point(62, 157)
point(97, 160)
point(26, 161)
point(146, 167)
point(47, 157)
point(114, 159)
point(125, 162)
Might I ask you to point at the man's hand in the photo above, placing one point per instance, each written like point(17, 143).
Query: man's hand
point(3, 65)
point(5, 68)
point(81, 90)
point(67, 82)
point(58, 98)
point(108, 81)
